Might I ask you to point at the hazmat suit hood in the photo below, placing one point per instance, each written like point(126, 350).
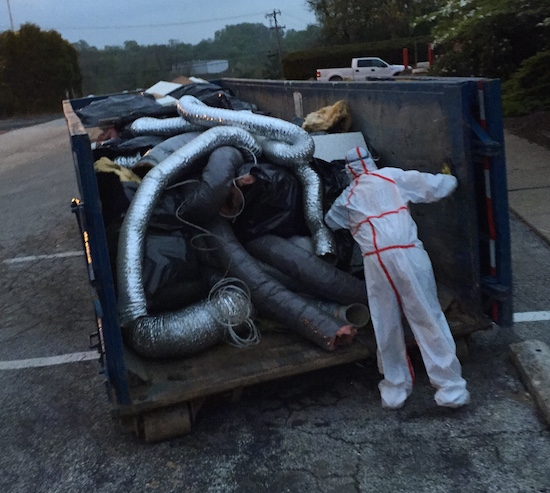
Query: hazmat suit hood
point(359, 161)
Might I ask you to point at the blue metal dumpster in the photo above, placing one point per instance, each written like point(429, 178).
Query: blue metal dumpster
point(416, 123)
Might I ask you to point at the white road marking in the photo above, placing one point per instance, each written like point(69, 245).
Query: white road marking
point(50, 361)
point(531, 316)
point(32, 258)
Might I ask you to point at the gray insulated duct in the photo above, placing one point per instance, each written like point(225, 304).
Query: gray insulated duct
point(206, 197)
point(166, 148)
point(356, 314)
point(316, 276)
point(131, 292)
point(271, 299)
point(283, 143)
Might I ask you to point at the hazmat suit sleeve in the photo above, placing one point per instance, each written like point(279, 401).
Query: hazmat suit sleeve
point(337, 216)
point(416, 186)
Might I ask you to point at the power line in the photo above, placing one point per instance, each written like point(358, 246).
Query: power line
point(169, 24)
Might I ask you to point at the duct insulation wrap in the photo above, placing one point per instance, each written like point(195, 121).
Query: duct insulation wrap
point(165, 149)
point(131, 293)
point(284, 143)
point(271, 299)
point(165, 127)
point(356, 314)
point(318, 277)
point(207, 197)
point(190, 330)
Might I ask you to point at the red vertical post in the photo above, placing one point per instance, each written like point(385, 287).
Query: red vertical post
point(406, 58)
point(430, 54)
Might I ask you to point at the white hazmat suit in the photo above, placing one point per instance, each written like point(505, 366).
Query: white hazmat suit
point(399, 274)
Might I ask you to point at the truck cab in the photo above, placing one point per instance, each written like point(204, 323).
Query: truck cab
point(375, 67)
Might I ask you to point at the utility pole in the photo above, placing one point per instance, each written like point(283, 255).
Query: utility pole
point(9, 12)
point(273, 15)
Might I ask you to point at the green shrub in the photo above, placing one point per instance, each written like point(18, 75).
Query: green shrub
point(529, 88)
point(7, 101)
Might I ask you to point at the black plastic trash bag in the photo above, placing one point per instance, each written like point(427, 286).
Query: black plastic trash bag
point(121, 109)
point(212, 95)
point(334, 178)
point(171, 273)
point(126, 147)
point(272, 204)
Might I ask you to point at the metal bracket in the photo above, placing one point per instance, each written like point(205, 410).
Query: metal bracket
point(484, 145)
point(495, 290)
point(77, 208)
point(96, 339)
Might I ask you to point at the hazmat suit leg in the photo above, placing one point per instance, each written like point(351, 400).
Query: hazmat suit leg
point(430, 328)
point(385, 313)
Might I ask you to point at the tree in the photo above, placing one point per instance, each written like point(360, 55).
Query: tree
point(528, 89)
point(38, 69)
point(488, 37)
point(247, 47)
point(250, 49)
point(127, 67)
point(302, 40)
point(355, 21)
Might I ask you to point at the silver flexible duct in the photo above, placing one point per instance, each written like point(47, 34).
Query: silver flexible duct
point(285, 144)
point(190, 330)
point(127, 161)
point(132, 299)
point(323, 239)
point(165, 127)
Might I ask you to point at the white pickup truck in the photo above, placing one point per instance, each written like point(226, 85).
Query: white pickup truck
point(361, 69)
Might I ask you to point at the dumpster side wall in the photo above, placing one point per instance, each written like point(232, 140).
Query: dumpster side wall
point(420, 125)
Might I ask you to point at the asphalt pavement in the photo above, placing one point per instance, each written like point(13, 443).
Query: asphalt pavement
point(319, 432)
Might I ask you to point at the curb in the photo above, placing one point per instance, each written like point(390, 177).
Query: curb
point(532, 357)
point(530, 225)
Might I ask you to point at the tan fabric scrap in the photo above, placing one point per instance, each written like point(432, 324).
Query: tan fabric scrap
point(336, 117)
point(105, 165)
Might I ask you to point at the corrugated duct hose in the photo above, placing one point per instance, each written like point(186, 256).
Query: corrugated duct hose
point(196, 327)
point(317, 277)
point(271, 298)
point(165, 127)
point(283, 143)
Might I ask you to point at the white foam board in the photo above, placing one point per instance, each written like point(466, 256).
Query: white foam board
point(330, 147)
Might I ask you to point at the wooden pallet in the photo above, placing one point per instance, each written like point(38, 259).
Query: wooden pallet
point(167, 395)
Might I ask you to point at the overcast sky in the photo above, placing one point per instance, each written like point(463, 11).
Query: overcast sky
point(111, 22)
